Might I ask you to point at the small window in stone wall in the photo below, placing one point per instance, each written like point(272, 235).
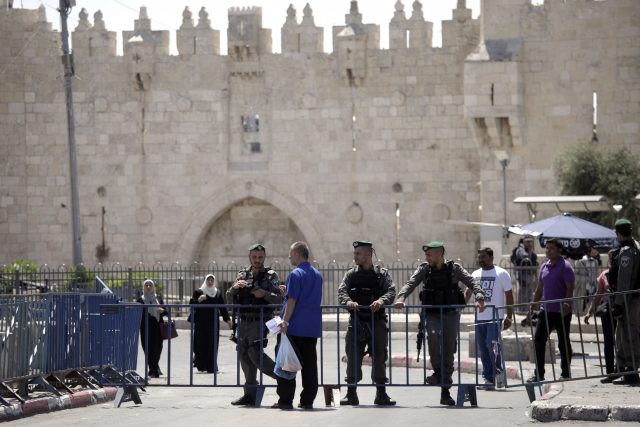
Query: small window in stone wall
point(251, 128)
point(251, 123)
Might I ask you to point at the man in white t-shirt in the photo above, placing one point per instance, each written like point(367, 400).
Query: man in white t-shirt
point(496, 284)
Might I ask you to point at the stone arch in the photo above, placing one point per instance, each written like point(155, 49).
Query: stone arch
point(225, 197)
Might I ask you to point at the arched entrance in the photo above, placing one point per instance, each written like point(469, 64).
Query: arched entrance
point(248, 221)
point(242, 194)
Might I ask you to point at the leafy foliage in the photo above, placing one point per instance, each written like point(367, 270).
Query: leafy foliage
point(614, 172)
point(24, 266)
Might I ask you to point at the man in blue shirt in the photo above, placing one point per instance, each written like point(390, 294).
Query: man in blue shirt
point(302, 323)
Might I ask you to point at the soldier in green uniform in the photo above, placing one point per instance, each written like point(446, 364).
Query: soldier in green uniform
point(255, 285)
point(440, 279)
point(364, 290)
point(626, 307)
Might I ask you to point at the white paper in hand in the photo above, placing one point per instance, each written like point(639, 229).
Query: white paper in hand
point(274, 325)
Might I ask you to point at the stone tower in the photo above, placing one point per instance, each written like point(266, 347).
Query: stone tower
point(245, 36)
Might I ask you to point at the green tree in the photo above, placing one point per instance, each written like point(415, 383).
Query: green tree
point(614, 172)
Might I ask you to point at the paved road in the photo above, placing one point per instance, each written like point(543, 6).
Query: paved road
point(204, 403)
point(196, 405)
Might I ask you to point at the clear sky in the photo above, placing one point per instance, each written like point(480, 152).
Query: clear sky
point(167, 14)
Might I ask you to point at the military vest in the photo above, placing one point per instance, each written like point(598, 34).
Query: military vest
point(439, 288)
point(245, 295)
point(365, 287)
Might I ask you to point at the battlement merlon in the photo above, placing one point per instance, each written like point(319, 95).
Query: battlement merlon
point(142, 38)
point(305, 37)
point(246, 10)
point(93, 40)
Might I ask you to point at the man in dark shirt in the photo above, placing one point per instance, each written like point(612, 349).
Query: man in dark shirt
point(555, 281)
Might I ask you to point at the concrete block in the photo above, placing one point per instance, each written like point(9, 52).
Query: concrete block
point(625, 413)
point(546, 413)
point(519, 350)
point(586, 412)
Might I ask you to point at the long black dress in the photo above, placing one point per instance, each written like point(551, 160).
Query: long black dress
point(154, 349)
point(206, 327)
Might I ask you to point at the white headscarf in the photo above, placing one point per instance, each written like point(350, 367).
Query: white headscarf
point(151, 298)
point(212, 291)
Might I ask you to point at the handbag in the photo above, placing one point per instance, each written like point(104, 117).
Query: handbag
point(168, 330)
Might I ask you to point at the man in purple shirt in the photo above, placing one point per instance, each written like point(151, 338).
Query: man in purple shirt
point(302, 323)
point(555, 281)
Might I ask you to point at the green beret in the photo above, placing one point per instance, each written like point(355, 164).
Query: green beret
point(622, 221)
point(257, 247)
point(362, 243)
point(433, 245)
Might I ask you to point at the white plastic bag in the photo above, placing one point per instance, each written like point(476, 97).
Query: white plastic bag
point(288, 358)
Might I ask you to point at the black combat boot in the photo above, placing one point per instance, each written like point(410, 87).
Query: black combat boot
point(245, 400)
point(382, 398)
point(445, 397)
point(433, 379)
point(351, 398)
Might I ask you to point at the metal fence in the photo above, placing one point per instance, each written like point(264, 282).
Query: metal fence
point(585, 351)
point(45, 333)
point(176, 282)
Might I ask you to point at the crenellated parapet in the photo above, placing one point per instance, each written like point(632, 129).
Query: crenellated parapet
point(93, 40)
point(305, 37)
point(414, 32)
point(198, 39)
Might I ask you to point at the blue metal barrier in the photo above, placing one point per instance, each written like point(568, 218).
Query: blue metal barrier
point(22, 336)
point(91, 322)
point(63, 331)
point(118, 327)
point(44, 333)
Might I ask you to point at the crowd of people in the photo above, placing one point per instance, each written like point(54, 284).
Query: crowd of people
point(368, 291)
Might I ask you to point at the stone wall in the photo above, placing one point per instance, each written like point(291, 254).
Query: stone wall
point(175, 147)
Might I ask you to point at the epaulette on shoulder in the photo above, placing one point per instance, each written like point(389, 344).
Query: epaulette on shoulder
point(381, 270)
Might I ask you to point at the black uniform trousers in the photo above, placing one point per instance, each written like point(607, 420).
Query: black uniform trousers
point(608, 324)
point(364, 333)
point(306, 350)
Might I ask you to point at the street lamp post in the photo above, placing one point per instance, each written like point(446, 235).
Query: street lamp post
point(67, 59)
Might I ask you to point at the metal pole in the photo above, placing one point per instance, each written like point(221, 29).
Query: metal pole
point(505, 229)
point(504, 190)
point(67, 61)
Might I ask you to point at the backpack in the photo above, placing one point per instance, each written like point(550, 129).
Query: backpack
point(513, 258)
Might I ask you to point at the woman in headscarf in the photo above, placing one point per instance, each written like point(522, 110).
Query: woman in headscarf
point(207, 325)
point(152, 341)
